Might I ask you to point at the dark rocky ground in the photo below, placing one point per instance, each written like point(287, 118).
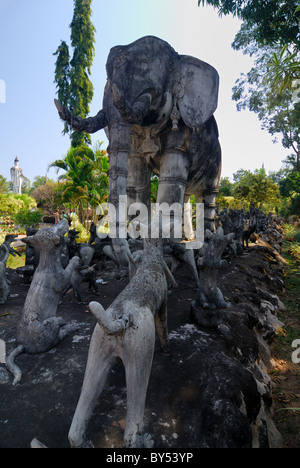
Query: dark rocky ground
point(212, 391)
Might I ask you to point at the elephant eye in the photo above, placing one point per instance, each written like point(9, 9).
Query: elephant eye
point(121, 63)
point(143, 65)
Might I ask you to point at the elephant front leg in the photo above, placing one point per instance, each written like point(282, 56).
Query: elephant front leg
point(174, 169)
point(209, 199)
point(119, 148)
point(139, 181)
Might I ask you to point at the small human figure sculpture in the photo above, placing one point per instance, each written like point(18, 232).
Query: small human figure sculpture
point(17, 177)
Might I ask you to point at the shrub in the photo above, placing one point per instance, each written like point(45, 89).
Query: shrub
point(295, 251)
point(289, 232)
point(84, 235)
point(27, 218)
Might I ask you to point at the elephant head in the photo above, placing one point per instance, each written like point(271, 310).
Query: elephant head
point(139, 76)
point(148, 83)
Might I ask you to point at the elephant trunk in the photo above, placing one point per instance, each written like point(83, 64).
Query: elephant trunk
point(90, 125)
point(119, 147)
point(136, 113)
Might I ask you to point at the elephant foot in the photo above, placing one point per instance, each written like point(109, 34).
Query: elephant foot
point(207, 318)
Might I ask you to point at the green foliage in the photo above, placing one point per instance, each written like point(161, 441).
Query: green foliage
point(289, 231)
point(278, 112)
point(226, 187)
point(295, 251)
point(285, 70)
point(276, 21)
point(83, 235)
point(27, 218)
point(62, 69)
point(85, 178)
point(11, 204)
point(292, 236)
point(290, 185)
point(16, 262)
point(231, 203)
point(257, 188)
point(154, 188)
point(270, 33)
point(75, 90)
point(48, 196)
point(4, 186)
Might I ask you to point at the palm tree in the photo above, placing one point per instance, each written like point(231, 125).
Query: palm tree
point(85, 179)
point(285, 68)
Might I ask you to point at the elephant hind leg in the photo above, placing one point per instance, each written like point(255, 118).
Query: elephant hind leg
point(162, 328)
point(209, 198)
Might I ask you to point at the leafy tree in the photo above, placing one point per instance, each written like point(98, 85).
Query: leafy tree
point(290, 185)
point(75, 89)
point(226, 187)
point(61, 77)
point(4, 185)
point(85, 178)
point(12, 203)
point(276, 21)
point(256, 188)
point(48, 196)
point(28, 218)
point(270, 33)
point(278, 112)
point(285, 71)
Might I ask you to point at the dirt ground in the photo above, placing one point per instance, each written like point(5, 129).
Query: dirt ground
point(286, 376)
point(43, 404)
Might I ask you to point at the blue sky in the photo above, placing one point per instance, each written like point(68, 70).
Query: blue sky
point(30, 32)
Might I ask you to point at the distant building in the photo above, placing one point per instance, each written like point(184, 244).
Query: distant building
point(17, 177)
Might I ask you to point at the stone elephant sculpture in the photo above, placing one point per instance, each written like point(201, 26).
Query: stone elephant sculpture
point(158, 111)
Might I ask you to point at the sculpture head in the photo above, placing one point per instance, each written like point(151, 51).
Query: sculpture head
point(148, 77)
point(213, 248)
point(48, 238)
point(138, 74)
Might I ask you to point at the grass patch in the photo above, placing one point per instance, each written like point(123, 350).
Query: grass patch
point(15, 262)
point(291, 299)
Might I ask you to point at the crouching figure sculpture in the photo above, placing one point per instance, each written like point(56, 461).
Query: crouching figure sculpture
point(39, 329)
point(126, 330)
point(209, 300)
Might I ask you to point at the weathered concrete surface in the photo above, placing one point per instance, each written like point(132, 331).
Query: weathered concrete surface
point(212, 391)
point(158, 109)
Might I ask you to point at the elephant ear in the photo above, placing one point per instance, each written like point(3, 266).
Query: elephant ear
point(197, 92)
